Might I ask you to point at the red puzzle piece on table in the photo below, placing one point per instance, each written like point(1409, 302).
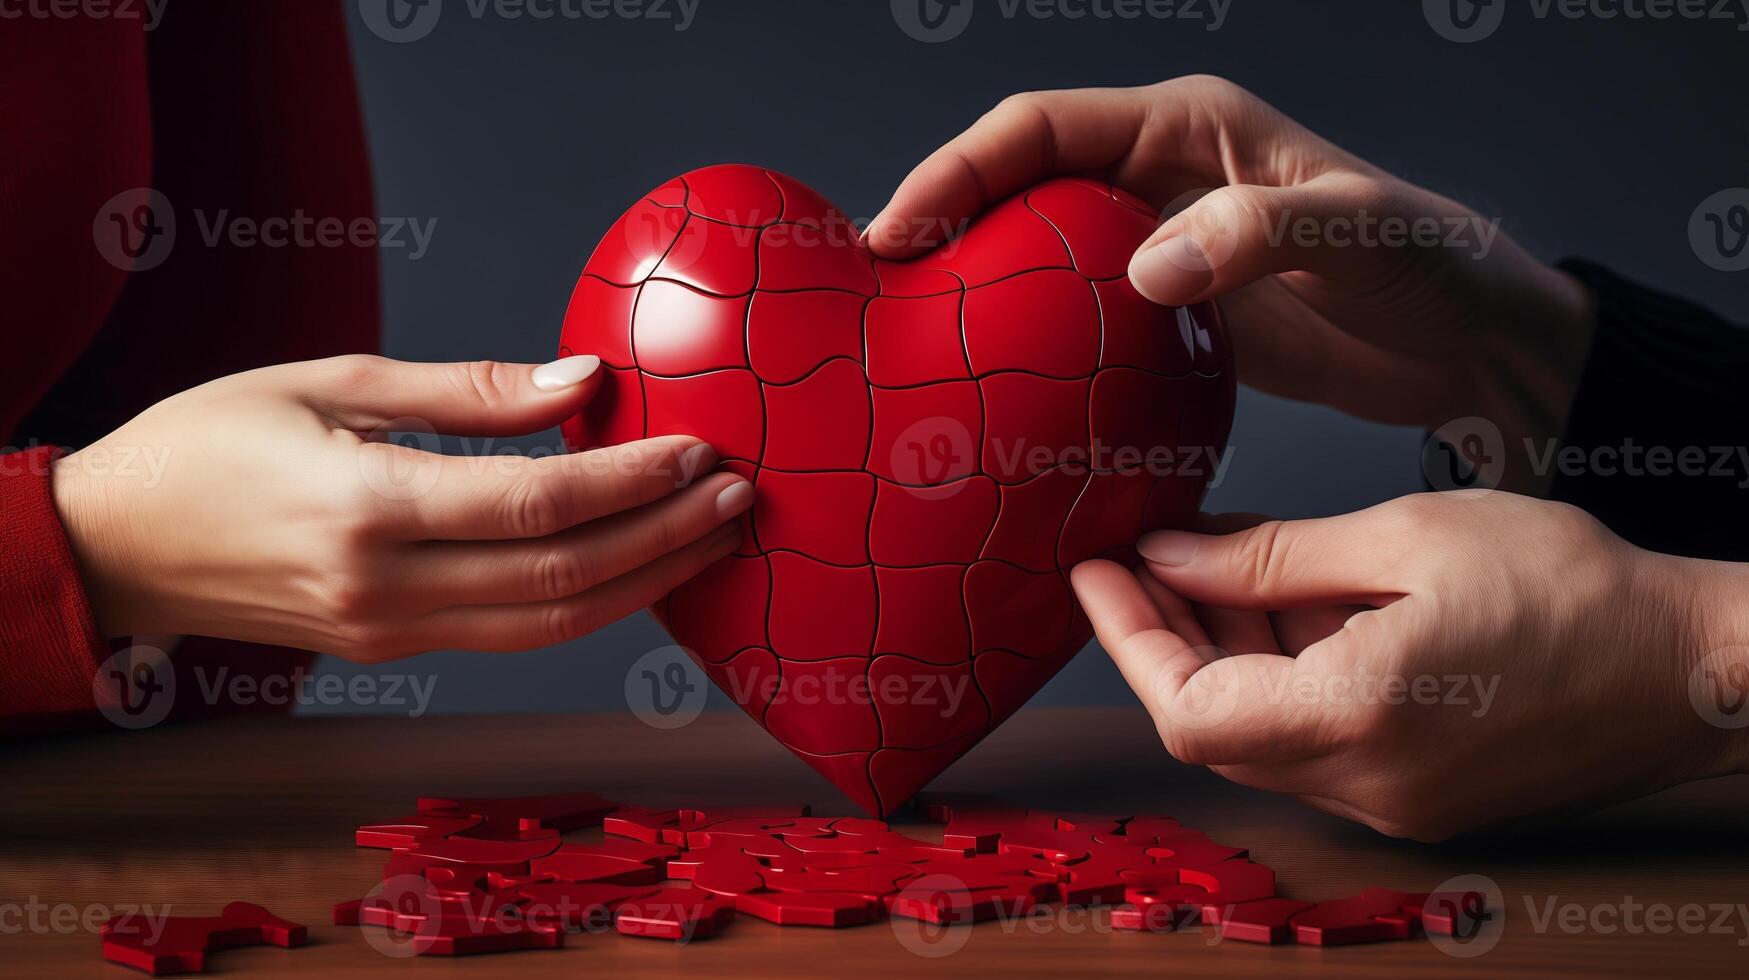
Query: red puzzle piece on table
point(436, 921)
point(1268, 920)
point(831, 910)
point(618, 862)
point(466, 935)
point(462, 894)
point(522, 817)
point(407, 832)
point(181, 944)
point(1153, 917)
point(1375, 915)
point(587, 906)
point(1458, 914)
point(679, 914)
point(931, 415)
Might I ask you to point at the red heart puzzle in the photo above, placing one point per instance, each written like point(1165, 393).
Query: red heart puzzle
point(933, 443)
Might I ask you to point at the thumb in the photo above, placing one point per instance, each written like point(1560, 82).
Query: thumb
point(464, 398)
point(1356, 558)
point(1237, 234)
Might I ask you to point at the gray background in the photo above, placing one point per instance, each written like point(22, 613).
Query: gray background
point(524, 138)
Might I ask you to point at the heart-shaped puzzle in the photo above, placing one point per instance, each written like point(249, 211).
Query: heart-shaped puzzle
point(933, 443)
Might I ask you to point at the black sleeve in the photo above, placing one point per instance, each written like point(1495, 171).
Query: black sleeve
point(1657, 444)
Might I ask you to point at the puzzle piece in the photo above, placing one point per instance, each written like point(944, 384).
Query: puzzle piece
point(610, 862)
point(521, 817)
point(455, 895)
point(678, 914)
point(968, 414)
point(180, 944)
point(1375, 915)
point(1268, 920)
point(576, 905)
point(830, 910)
point(464, 935)
point(1153, 917)
point(407, 832)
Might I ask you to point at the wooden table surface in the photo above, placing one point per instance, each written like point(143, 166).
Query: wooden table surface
point(263, 810)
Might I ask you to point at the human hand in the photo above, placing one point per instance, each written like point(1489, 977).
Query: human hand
point(268, 507)
point(1341, 284)
point(1434, 664)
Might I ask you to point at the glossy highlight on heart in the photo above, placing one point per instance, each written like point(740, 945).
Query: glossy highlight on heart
point(933, 443)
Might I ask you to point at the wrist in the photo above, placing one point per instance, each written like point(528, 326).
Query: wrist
point(86, 511)
point(1714, 664)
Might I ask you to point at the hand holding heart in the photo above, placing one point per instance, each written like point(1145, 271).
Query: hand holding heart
point(1341, 284)
point(270, 507)
point(1431, 665)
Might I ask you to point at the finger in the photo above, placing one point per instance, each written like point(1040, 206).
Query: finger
point(1157, 141)
point(1361, 558)
point(1267, 711)
point(1291, 630)
point(1238, 630)
point(365, 393)
point(1249, 709)
point(1178, 615)
point(436, 574)
point(1238, 234)
point(473, 498)
point(526, 626)
point(1232, 710)
point(1023, 140)
point(1132, 629)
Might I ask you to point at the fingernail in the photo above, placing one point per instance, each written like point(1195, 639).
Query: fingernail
point(1169, 547)
point(696, 460)
point(1173, 272)
point(566, 372)
point(734, 499)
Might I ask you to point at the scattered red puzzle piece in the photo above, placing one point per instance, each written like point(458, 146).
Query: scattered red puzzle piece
point(679, 914)
point(509, 882)
point(409, 831)
point(524, 816)
point(1373, 916)
point(1269, 920)
point(827, 909)
point(585, 906)
point(180, 944)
